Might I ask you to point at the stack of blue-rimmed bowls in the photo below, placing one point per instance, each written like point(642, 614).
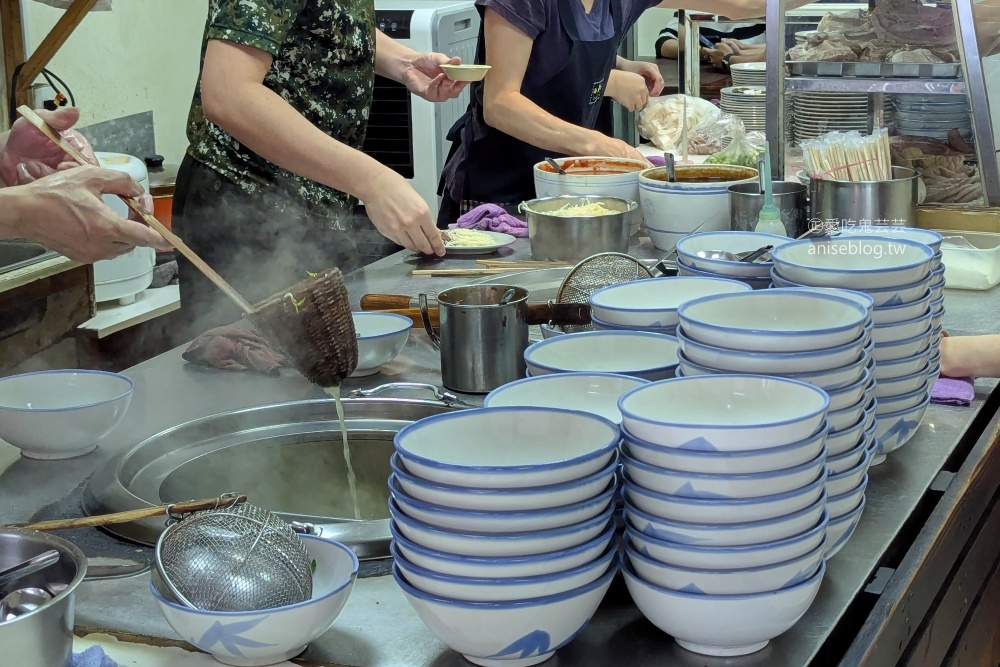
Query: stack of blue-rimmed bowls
point(503, 530)
point(699, 255)
point(725, 506)
point(821, 337)
point(905, 278)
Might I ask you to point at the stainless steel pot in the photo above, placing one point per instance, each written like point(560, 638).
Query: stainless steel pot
point(44, 637)
point(746, 200)
point(868, 202)
point(557, 238)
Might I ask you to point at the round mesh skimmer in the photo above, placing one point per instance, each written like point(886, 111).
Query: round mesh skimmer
point(243, 558)
point(597, 272)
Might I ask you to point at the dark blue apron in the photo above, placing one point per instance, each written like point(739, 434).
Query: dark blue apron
point(498, 167)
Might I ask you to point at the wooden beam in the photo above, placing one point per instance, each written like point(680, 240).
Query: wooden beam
point(12, 41)
point(60, 32)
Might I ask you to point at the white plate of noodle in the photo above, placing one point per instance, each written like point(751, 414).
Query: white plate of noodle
point(474, 241)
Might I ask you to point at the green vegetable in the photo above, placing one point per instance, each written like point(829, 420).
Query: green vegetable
point(295, 303)
point(737, 158)
point(313, 566)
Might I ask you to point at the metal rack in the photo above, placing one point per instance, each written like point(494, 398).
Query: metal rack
point(974, 85)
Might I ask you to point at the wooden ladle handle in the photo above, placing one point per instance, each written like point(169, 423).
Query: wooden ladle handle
point(135, 515)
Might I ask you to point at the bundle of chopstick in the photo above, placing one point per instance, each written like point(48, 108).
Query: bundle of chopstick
point(849, 156)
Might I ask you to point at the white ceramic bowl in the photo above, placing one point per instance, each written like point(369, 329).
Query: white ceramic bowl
point(517, 633)
point(829, 380)
point(61, 414)
point(840, 531)
point(773, 320)
point(722, 625)
point(728, 486)
point(936, 319)
point(503, 448)
point(890, 333)
point(846, 439)
point(270, 636)
point(732, 557)
point(485, 521)
point(886, 296)
point(498, 545)
point(654, 303)
point(688, 250)
point(674, 210)
point(896, 428)
point(890, 370)
point(857, 296)
point(902, 349)
point(593, 176)
point(779, 363)
point(638, 354)
point(845, 397)
point(841, 463)
point(845, 481)
point(549, 331)
point(846, 418)
point(502, 500)
point(726, 535)
point(903, 312)
point(509, 566)
point(688, 272)
point(381, 336)
point(600, 325)
point(937, 289)
point(725, 582)
point(724, 412)
point(869, 262)
point(724, 510)
point(845, 503)
point(900, 386)
point(892, 404)
point(765, 459)
point(925, 236)
point(597, 393)
point(503, 589)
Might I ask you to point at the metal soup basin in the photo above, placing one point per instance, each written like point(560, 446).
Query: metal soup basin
point(44, 637)
point(558, 238)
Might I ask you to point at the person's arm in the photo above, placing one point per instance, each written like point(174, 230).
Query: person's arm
point(235, 98)
point(64, 212)
point(650, 73)
point(421, 73)
point(970, 356)
point(670, 48)
point(731, 9)
point(508, 50)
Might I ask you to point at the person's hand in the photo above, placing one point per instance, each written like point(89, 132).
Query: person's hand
point(717, 54)
point(602, 145)
point(425, 78)
point(29, 155)
point(401, 215)
point(64, 212)
point(650, 73)
point(628, 89)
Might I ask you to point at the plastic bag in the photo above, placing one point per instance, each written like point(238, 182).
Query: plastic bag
point(710, 135)
point(740, 151)
point(662, 121)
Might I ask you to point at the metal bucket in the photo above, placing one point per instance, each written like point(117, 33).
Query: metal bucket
point(867, 202)
point(44, 637)
point(746, 200)
point(556, 238)
point(482, 341)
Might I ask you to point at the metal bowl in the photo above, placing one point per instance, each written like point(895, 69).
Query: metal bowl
point(44, 637)
point(558, 238)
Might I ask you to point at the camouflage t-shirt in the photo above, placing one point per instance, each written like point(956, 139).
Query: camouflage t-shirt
point(324, 67)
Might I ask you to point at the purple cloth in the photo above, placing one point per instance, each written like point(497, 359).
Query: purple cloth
point(93, 657)
point(492, 218)
point(656, 160)
point(953, 391)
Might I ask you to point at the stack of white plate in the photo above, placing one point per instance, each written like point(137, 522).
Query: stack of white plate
point(725, 507)
point(651, 305)
point(503, 530)
point(933, 116)
point(820, 337)
point(749, 103)
point(640, 354)
point(898, 274)
point(749, 74)
point(816, 113)
point(697, 255)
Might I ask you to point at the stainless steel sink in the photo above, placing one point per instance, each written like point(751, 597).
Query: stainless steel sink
point(19, 254)
point(287, 458)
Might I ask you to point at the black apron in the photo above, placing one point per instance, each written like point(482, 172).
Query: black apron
point(498, 167)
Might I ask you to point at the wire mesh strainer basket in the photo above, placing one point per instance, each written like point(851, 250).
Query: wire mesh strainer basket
point(242, 558)
point(597, 272)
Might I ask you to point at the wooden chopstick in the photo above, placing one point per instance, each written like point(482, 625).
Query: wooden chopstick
point(136, 208)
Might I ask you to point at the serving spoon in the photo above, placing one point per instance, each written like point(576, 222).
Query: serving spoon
point(22, 601)
point(555, 165)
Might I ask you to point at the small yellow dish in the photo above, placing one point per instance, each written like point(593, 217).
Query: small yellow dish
point(465, 72)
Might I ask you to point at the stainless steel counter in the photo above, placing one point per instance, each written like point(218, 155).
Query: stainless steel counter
point(378, 628)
